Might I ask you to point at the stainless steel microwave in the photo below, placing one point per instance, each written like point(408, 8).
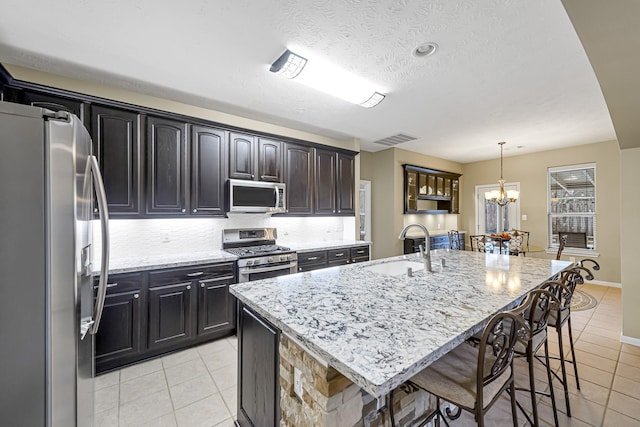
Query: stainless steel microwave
point(256, 196)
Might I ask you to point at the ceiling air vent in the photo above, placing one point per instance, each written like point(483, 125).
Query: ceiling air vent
point(395, 139)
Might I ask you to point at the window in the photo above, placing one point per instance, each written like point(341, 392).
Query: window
point(572, 206)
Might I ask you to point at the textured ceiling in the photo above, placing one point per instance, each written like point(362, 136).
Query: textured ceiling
point(506, 70)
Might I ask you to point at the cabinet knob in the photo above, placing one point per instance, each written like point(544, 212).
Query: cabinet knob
point(299, 268)
point(202, 285)
point(184, 210)
point(136, 296)
point(95, 210)
point(253, 176)
point(188, 287)
point(195, 210)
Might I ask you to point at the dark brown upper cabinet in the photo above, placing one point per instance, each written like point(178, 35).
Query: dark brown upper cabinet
point(334, 183)
point(117, 144)
point(167, 181)
point(269, 160)
point(208, 169)
point(55, 103)
point(430, 190)
point(298, 176)
point(346, 182)
point(325, 182)
point(241, 156)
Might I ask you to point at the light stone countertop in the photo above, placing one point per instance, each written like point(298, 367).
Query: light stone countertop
point(324, 245)
point(152, 262)
point(379, 329)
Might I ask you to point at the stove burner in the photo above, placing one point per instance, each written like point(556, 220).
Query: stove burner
point(257, 250)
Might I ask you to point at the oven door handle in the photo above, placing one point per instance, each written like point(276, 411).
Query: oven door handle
point(245, 270)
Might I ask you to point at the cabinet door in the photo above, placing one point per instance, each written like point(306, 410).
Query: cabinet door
point(346, 184)
point(120, 331)
point(258, 388)
point(325, 182)
point(166, 166)
point(241, 156)
point(170, 314)
point(208, 170)
point(54, 103)
point(215, 306)
point(338, 257)
point(269, 160)
point(116, 142)
point(455, 196)
point(299, 178)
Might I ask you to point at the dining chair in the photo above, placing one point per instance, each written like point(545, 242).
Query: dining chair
point(478, 243)
point(454, 240)
point(473, 378)
point(519, 242)
point(562, 243)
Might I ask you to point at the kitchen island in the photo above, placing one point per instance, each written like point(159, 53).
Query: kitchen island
point(338, 340)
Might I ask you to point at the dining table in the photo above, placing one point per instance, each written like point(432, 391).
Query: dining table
point(378, 323)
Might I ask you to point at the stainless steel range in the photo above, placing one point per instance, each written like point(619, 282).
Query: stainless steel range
point(258, 255)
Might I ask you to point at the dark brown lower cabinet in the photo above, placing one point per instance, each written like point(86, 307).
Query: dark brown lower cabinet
point(308, 261)
point(149, 313)
point(170, 314)
point(216, 306)
point(258, 371)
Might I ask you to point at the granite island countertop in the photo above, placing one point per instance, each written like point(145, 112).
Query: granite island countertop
point(379, 329)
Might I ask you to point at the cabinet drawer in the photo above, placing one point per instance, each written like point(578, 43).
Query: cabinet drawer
point(118, 283)
point(338, 255)
point(360, 252)
point(318, 257)
point(188, 274)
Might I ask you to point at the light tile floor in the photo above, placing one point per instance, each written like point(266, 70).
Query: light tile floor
point(197, 387)
point(191, 388)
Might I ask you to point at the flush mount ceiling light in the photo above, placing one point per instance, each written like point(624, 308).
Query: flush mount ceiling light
point(425, 49)
point(327, 78)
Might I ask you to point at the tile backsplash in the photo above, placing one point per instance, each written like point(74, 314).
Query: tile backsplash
point(149, 237)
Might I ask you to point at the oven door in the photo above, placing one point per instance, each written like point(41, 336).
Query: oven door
point(248, 274)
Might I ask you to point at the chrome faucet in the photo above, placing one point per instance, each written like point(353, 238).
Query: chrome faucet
point(426, 252)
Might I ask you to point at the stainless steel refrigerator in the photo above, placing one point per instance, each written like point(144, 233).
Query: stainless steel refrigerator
point(49, 311)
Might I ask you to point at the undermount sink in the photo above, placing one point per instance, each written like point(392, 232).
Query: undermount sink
point(395, 268)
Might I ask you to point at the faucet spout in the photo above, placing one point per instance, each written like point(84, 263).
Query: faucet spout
point(426, 252)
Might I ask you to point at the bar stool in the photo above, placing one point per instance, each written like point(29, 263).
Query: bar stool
point(454, 240)
point(473, 378)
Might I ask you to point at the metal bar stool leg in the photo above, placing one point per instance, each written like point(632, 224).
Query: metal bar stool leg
point(550, 379)
point(564, 369)
point(573, 352)
point(532, 386)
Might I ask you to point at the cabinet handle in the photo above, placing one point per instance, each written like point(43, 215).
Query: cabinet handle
point(340, 254)
point(188, 287)
point(312, 258)
point(136, 296)
point(111, 285)
point(184, 210)
point(195, 210)
point(199, 273)
point(361, 251)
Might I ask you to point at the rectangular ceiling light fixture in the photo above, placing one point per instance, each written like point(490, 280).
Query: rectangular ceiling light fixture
point(326, 78)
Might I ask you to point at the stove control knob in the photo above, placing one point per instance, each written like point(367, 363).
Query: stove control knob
point(283, 258)
point(271, 259)
point(249, 262)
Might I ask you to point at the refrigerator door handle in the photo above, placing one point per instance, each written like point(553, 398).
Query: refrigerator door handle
point(104, 223)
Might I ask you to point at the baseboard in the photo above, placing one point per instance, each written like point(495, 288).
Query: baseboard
point(603, 283)
point(629, 340)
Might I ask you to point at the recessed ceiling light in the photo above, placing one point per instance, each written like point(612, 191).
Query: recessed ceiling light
point(425, 49)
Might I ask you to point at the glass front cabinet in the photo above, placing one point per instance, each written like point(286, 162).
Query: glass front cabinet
point(430, 191)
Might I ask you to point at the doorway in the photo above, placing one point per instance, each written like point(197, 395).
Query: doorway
point(487, 219)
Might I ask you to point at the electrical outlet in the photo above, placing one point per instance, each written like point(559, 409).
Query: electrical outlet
point(164, 237)
point(297, 382)
point(438, 226)
point(524, 217)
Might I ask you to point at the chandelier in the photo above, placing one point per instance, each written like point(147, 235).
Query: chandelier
point(501, 197)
